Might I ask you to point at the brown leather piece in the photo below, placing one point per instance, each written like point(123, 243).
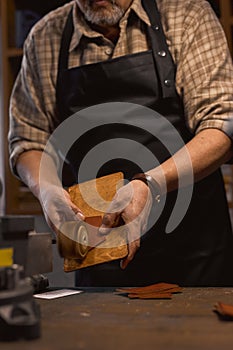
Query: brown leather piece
point(93, 198)
point(155, 291)
point(93, 224)
point(151, 296)
point(95, 221)
point(224, 311)
point(157, 287)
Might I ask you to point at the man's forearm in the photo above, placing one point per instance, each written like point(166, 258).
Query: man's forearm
point(207, 151)
point(28, 168)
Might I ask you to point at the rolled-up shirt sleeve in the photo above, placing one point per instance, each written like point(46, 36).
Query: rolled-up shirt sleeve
point(31, 117)
point(205, 72)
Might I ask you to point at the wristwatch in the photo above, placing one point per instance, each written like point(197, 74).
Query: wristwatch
point(151, 183)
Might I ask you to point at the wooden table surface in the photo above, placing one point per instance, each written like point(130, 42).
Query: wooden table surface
point(101, 319)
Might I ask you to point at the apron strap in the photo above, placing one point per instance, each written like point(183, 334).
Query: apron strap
point(63, 58)
point(65, 42)
point(163, 60)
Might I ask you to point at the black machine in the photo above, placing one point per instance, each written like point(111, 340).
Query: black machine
point(19, 313)
point(24, 256)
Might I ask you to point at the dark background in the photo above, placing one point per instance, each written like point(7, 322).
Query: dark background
point(44, 6)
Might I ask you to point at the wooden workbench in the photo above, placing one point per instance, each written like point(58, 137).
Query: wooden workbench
point(99, 319)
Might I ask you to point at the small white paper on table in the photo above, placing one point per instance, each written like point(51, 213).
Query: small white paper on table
point(53, 294)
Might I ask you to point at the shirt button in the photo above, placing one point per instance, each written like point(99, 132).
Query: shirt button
point(167, 82)
point(162, 53)
point(156, 27)
point(108, 52)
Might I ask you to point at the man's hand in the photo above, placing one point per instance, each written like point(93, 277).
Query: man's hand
point(42, 179)
point(130, 206)
point(58, 207)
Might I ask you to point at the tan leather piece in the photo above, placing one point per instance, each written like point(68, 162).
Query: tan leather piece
point(155, 291)
point(93, 198)
point(225, 311)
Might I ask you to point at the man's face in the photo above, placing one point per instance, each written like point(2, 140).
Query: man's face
point(103, 12)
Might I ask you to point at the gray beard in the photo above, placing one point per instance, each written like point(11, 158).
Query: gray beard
point(103, 16)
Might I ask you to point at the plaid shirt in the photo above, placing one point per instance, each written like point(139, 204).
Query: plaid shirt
point(204, 76)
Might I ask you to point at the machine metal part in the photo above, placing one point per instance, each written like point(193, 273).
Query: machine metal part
point(24, 256)
point(31, 250)
point(19, 313)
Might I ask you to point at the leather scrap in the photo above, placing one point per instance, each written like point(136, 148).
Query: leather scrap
point(155, 291)
point(151, 288)
point(92, 224)
point(162, 295)
point(93, 198)
point(224, 311)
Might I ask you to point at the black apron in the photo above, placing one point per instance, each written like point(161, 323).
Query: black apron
point(199, 251)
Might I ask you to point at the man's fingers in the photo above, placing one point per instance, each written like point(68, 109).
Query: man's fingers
point(78, 213)
point(75, 209)
point(132, 249)
point(109, 221)
point(80, 216)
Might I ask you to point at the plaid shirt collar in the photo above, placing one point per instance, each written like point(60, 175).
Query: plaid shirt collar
point(81, 27)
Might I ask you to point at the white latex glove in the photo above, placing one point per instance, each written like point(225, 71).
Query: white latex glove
point(132, 205)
